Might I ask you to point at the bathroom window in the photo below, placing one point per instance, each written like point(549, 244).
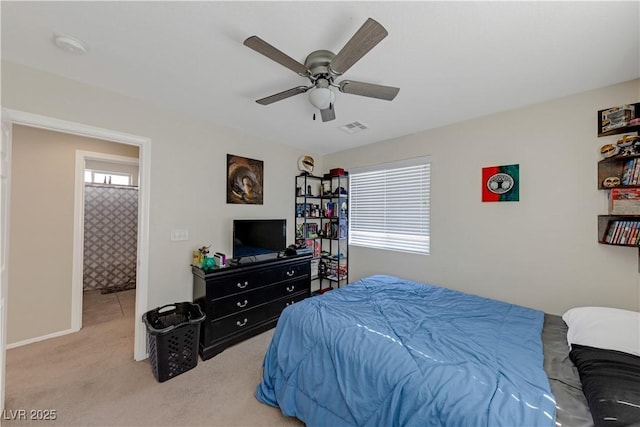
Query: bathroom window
point(101, 177)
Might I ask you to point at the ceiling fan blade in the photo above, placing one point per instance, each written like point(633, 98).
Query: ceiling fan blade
point(369, 89)
point(282, 95)
point(328, 114)
point(264, 48)
point(370, 34)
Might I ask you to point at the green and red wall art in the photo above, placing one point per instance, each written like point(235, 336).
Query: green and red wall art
point(501, 183)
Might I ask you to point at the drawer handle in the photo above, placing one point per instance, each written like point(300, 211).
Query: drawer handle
point(239, 304)
point(239, 323)
point(242, 286)
point(290, 288)
point(291, 273)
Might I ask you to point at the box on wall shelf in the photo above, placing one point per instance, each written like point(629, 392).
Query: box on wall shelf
point(624, 201)
point(616, 117)
point(336, 172)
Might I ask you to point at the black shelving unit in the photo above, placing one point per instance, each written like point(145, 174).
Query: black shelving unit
point(322, 224)
point(335, 232)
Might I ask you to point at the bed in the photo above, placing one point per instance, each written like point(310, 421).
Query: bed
point(385, 351)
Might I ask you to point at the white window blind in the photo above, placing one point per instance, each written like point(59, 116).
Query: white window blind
point(390, 206)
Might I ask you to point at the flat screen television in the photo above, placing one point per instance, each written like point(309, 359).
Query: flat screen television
point(258, 238)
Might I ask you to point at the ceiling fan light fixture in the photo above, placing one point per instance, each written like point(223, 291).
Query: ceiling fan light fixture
point(321, 97)
point(322, 66)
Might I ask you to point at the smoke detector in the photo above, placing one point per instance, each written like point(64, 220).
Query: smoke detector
point(69, 44)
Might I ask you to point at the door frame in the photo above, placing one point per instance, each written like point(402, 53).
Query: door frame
point(12, 117)
point(5, 173)
point(77, 281)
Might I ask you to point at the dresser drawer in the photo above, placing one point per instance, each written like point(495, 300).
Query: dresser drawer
point(247, 300)
point(275, 308)
point(238, 302)
point(293, 271)
point(288, 288)
point(249, 281)
point(237, 323)
point(234, 284)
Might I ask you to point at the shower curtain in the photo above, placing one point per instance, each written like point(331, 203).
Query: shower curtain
point(110, 237)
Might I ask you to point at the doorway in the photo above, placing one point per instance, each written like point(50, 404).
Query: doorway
point(11, 117)
point(109, 229)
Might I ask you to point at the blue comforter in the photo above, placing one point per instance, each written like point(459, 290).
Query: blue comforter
point(385, 351)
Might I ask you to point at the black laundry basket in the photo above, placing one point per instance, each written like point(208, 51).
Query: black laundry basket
point(173, 333)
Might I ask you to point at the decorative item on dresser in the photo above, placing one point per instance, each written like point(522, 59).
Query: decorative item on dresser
point(246, 299)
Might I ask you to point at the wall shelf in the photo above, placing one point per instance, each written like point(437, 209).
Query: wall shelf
point(618, 230)
point(621, 130)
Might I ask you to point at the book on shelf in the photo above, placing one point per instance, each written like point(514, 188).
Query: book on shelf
point(616, 235)
point(307, 230)
point(636, 172)
point(629, 238)
point(624, 201)
point(315, 246)
point(312, 230)
point(337, 272)
point(633, 233)
point(623, 233)
point(308, 210)
point(627, 171)
point(611, 231)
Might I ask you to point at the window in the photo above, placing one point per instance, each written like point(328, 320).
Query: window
point(97, 177)
point(390, 206)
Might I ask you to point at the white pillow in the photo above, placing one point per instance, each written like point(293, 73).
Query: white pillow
point(603, 327)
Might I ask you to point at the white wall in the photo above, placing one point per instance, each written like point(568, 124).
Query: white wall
point(41, 228)
point(188, 169)
point(541, 251)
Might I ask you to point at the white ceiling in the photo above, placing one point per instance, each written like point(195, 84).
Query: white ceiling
point(452, 60)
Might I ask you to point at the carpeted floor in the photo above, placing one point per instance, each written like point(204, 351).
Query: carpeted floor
point(90, 379)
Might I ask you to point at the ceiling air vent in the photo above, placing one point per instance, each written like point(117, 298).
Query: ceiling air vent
point(354, 127)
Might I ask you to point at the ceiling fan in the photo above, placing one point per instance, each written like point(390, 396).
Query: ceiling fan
point(322, 67)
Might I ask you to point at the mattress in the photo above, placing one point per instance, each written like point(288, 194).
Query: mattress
point(572, 409)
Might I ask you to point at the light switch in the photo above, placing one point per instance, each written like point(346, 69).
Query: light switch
point(179, 235)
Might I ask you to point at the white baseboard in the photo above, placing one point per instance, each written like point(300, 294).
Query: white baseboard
point(42, 338)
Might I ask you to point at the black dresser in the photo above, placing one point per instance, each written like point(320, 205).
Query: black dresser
point(244, 300)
